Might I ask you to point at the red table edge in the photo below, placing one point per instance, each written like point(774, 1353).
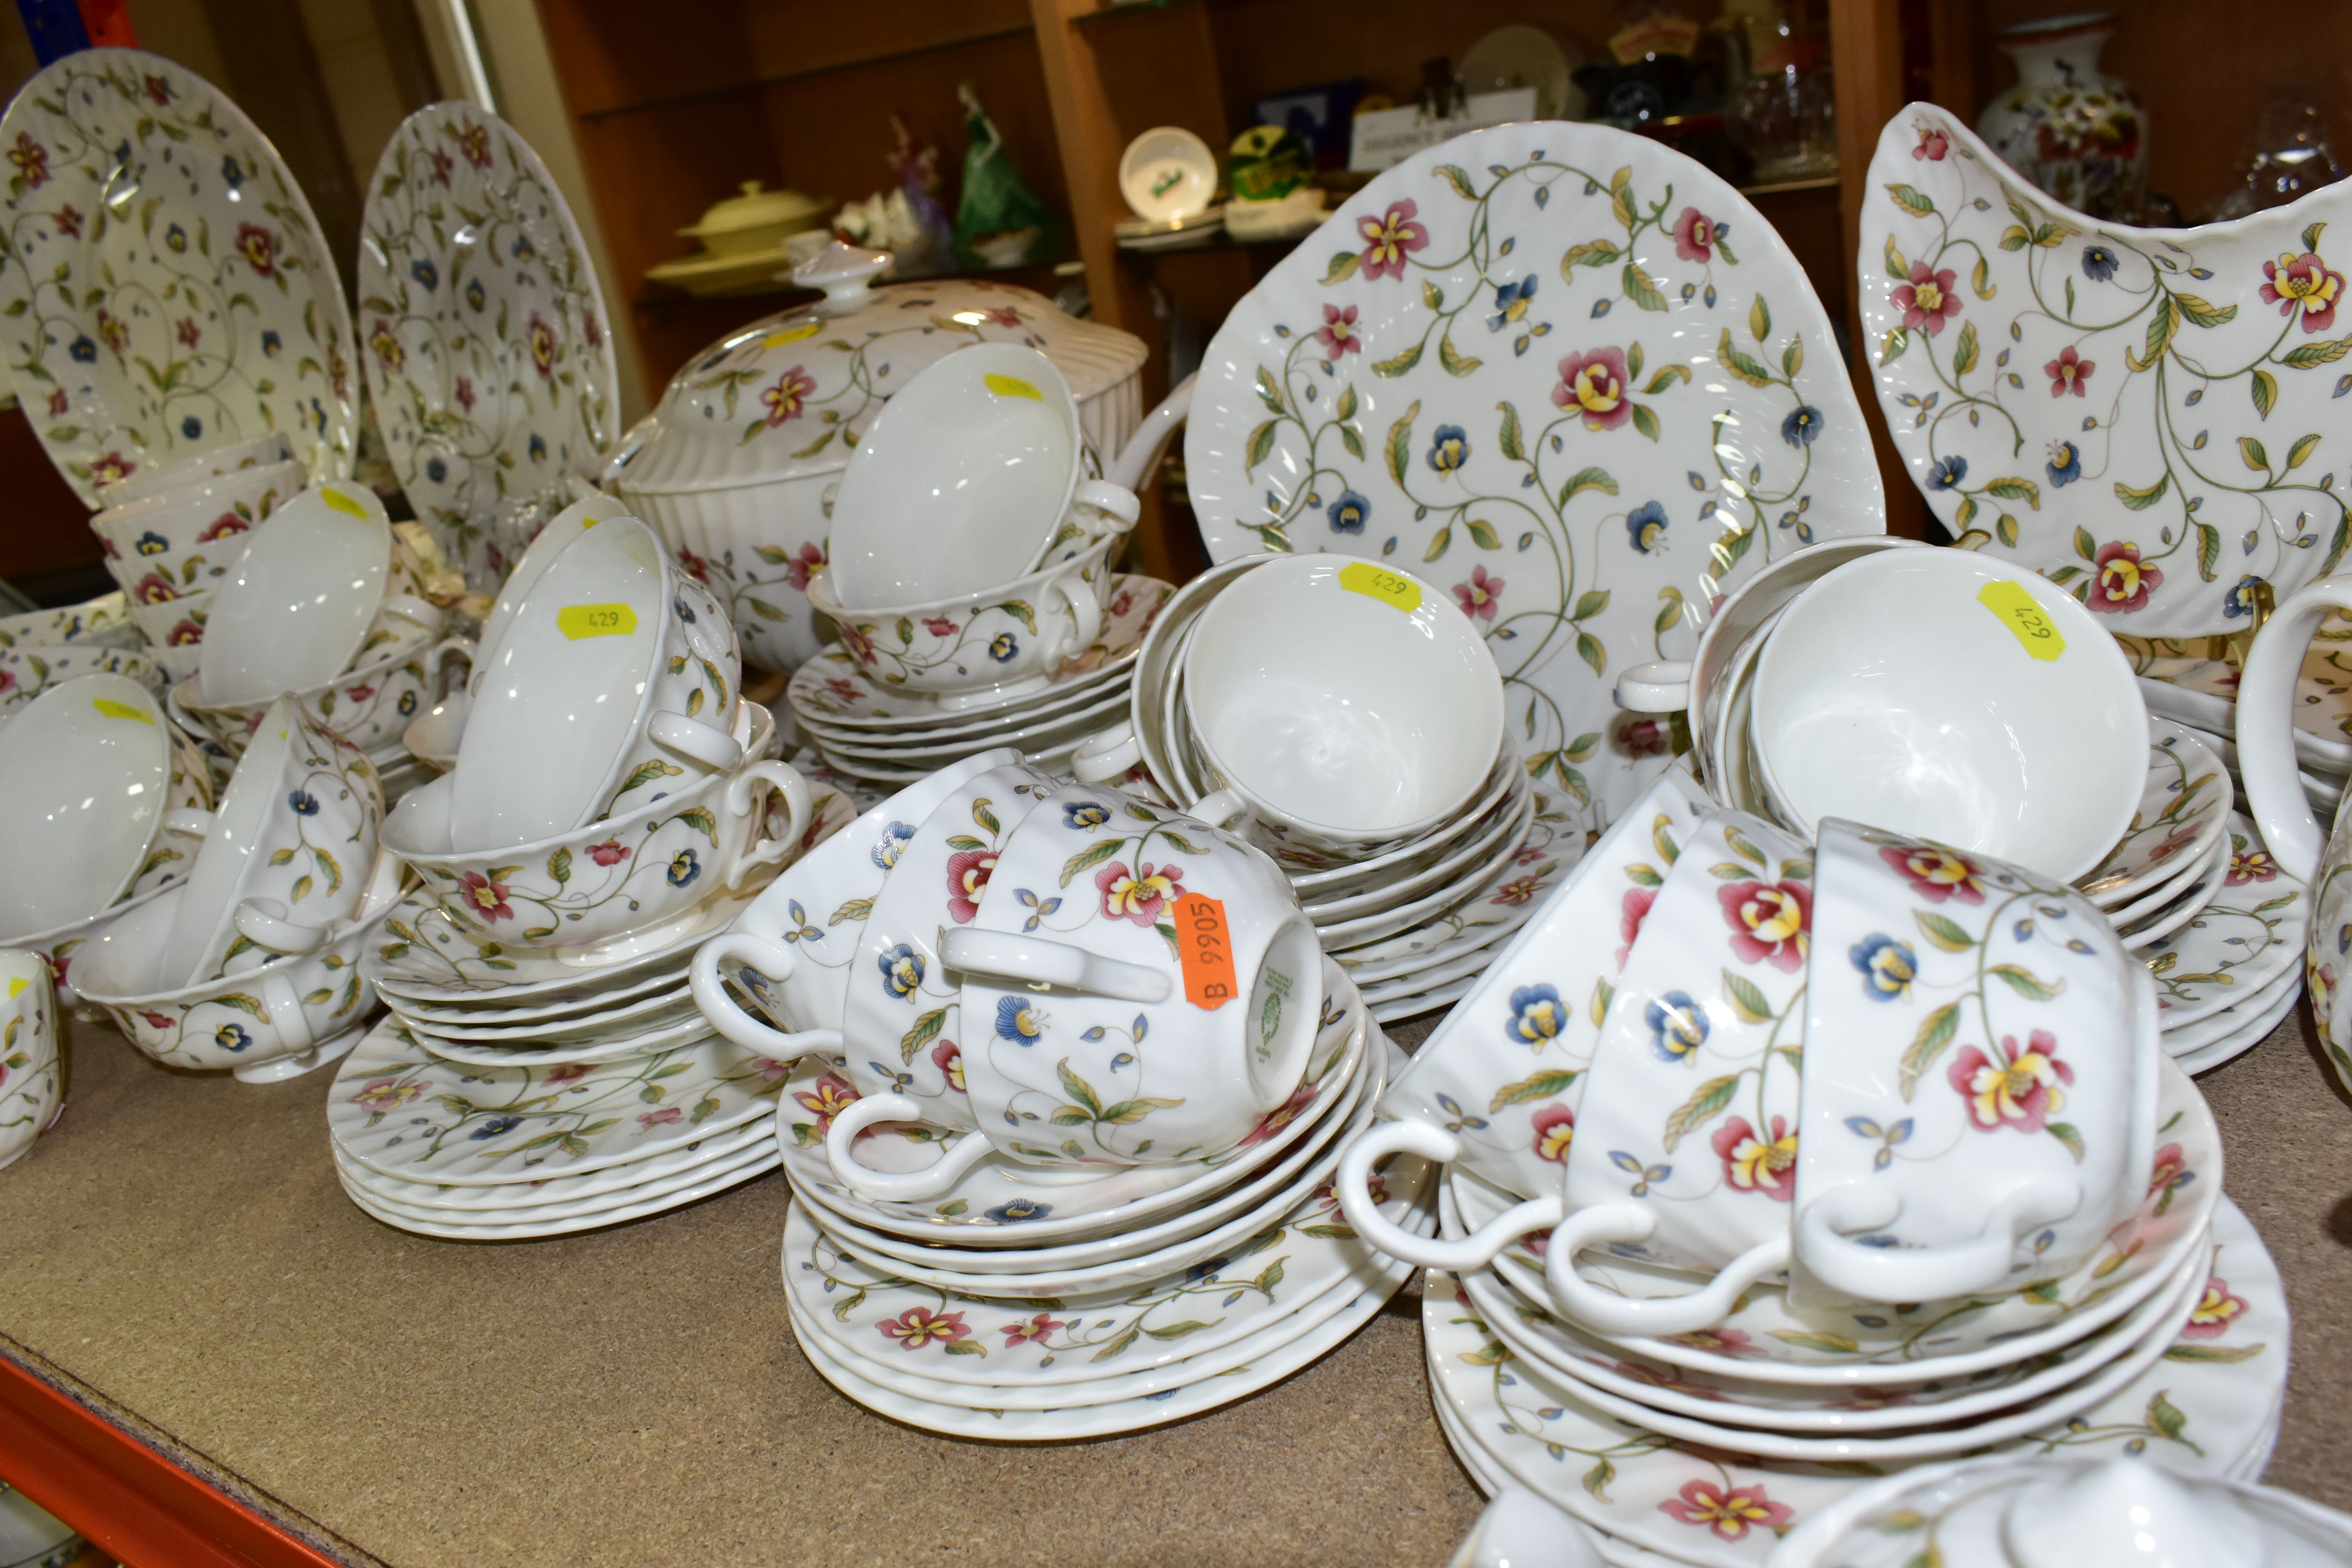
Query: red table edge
point(119, 1491)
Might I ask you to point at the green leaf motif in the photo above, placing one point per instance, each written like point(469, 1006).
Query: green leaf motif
point(1963, 355)
point(1747, 999)
point(2014, 488)
point(2139, 500)
point(1759, 318)
point(2026, 983)
point(559, 867)
point(1076, 1087)
point(1342, 268)
point(1455, 364)
point(1710, 1097)
point(2265, 390)
point(1925, 1045)
point(1586, 480)
point(1261, 442)
point(916, 1038)
point(1911, 201)
point(2251, 453)
point(1509, 437)
point(1546, 1084)
point(1591, 253)
point(1400, 442)
point(1639, 288)
point(1269, 392)
point(1397, 365)
point(1085, 859)
point(2300, 453)
point(1943, 931)
point(1459, 180)
point(1748, 370)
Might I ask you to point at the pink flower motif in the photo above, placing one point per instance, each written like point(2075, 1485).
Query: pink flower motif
point(466, 392)
point(1338, 333)
point(2021, 1090)
point(164, 1021)
point(1629, 919)
point(110, 469)
point(854, 639)
point(649, 1120)
point(918, 1327)
point(1755, 1163)
point(1030, 1330)
point(1280, 1117)
point(1642, 737)
point(2068, 372)
point(361, 692)
point(939, 626)
point(788, 399)
point(2122, 584)
point(697, 567)
point(1593, 386)
point(2179, 838)
point(1694, 237)
point(948, 1056)
point(1008, 320)
point(1517, 891)
point(188, 331)
point(803, 565)
point(69, 222)
point(1731, 1342)
point(32, 161)
point(1927, 300)
point(1139, 896)
point(486, 898)
point(831, 1097)
point(569, 1072)
point(846, 690)
point(2215, 1311)
point(58, 403)
point(378, 1096)
point(612, 852)
point(154, 589)
point(2250, 865)
point(2303, 282)
point(228, 522)
point(968, 874)
point(1479, 596)
point(1389, 239)
point(1729, 1514)
point(1119, 606)
point(1555, 1128)
point(1937, 873)
point(442, 164)
point(1932, 145)
point(1770, 922)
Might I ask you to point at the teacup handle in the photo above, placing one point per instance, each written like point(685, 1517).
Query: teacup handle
point(876, 1186)
point(772, 959)
point(1106, 754)
point(1110, 500)
point(263, 922)
point(747, 794)
point(1352, 1186)
point(188, 822)
point(1662, 686)
point(438, 656)
point(1034, 961)
point(1827, 1249)
point(284, 1005)
point(2267, 758)
point(1632, 1221)
point(1085, 613)
point(696, 741)
point(1135, 461)
point(1222, 808)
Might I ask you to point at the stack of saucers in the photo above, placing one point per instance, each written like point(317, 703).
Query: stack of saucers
point(1863, 1156)
point(42, 648)
point(545, 1068)
point(2194, 681)
point(1349, 722)
point(969, 579)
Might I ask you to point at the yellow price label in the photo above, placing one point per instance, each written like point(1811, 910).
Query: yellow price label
point(1012, 386)
point(1389, 588)
point(2024, 618)
point(577, 621)
point(341, 502)
point(791, 335)
point(110, 708)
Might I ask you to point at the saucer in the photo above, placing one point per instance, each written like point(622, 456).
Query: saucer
point(1502, 860)
point(1501, 904)
point(434, 959)
point(2251, 933)
point(750, 1170)
point(2181, 811)
point(363, 1185)
point(2250, 1031)
point(671, 1164)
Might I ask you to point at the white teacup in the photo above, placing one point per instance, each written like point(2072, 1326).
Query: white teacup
point(1139, 988)
point(178, 474)
point(2266, 728)
point(559, 532)
point(1338, 703)
point(191, 535)
point(1943, 694)
point(968, 478)
point(84, 770)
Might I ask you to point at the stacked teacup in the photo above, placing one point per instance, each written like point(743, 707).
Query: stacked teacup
point(614, 802)
point(1071, 1070)
point(172, 534)
point(249, 963)
point(1860, 1153)
point(1348, 719)
point(325, 602)
point(971, 579)
point(1938, 692)
point(42, 648)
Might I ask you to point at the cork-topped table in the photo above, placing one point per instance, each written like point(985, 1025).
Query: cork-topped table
point(186, 1268)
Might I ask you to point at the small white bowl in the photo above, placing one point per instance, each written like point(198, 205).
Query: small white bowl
point(300, 601)
point(85, 771)
point(1168, 174)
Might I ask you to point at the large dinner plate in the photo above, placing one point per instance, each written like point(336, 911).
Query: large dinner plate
point(1567, 375)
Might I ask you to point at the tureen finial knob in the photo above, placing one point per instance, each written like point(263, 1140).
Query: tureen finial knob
point(845, 272)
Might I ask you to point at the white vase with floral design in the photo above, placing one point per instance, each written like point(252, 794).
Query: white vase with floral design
point(2072, 129)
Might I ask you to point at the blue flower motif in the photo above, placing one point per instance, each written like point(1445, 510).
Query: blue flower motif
point(1449, 448)
point(684, 869)
point(1017, 1210)
point(684, 614)
point(425, 272)
point(1947, 472)
point(1019, 1022)
point(1537, 1016)
point(271, 343)
point(494, 1126)
point(83, 351)
point(1205, 1269)
point(436, 471)
point(1647, 524)
point(2098, 263)
point(537, 448)
point(2240, 600)
point(175, 239)
point(475, 295)
point(1679, 1027)
point(1511, 303)
point(1003, 646)
point(2065, 464)
point(408, 703)
point(893, 840)
point(233, 173)
point(1084, 815)
point(151, 544)
point(1801, 425)
point(1038, 908)
point(191, 427)
point(902, 971)
point(1887, 967)
point(231, 1037)
point(304, 803)
point(1349, 513)
point(522, 247)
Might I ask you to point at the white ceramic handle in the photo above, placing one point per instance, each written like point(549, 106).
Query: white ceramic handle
point(1035, 961)
point(876, 1186)
point(776, 963)
point(1136, 461)
point(696, 741)
point(1662, 686)
point(1085, 613)
point(284, 1005)
point(1106, 754)
point(1113, 501)
point(1827, 1249)
point(1633, 1221)
point(188, 822)
point(749, 792)
point(2267, 758)
point(633, 441)
point(263, 922)
point(1222, 808)
point(438, 656)
point(1353, 1185)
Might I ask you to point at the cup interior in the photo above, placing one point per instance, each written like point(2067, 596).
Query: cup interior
point(1936, 693)
point(1322, 695)
point(1284, 1007)
point(85, 770)
point(959, 483)
point(299, 600)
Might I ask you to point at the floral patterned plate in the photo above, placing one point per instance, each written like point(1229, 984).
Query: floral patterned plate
point(2199, 1408)
point(2186, 680)
point(366, 1189)
point(2191, 895)
point(2181, 811)
point(1397, 1009)
point(532, 1230)
point(168, 288)
point(542, 1192)
point(1567, 374)
point(485, 1008)
point(1501, 904)
point(2165, 894)
point(923, 749)
point(1505, 854)
point(2234, 1019)
point(400, 1113)
point(432, 959)
point(2251, 1031)
point(484, 327)
point(2142, 415)
point(2251, 933)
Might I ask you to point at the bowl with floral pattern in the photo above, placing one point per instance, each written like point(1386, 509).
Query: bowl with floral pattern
point(188, 538)
point(371, 706)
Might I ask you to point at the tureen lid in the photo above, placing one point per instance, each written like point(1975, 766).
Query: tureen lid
point(789, 395)
point(755, 208)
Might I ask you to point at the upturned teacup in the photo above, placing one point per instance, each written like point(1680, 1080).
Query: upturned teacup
point(187, 538)
point(372, 705)
point(182, 474)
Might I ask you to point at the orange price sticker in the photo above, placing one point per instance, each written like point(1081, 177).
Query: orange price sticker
point(1205, 950)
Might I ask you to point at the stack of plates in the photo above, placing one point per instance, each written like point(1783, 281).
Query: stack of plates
point(517, 1091)
point(1025, 1306)
point(873, 732)
point(1707, 1448)
point(1415, 925)
point(2204, 693)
